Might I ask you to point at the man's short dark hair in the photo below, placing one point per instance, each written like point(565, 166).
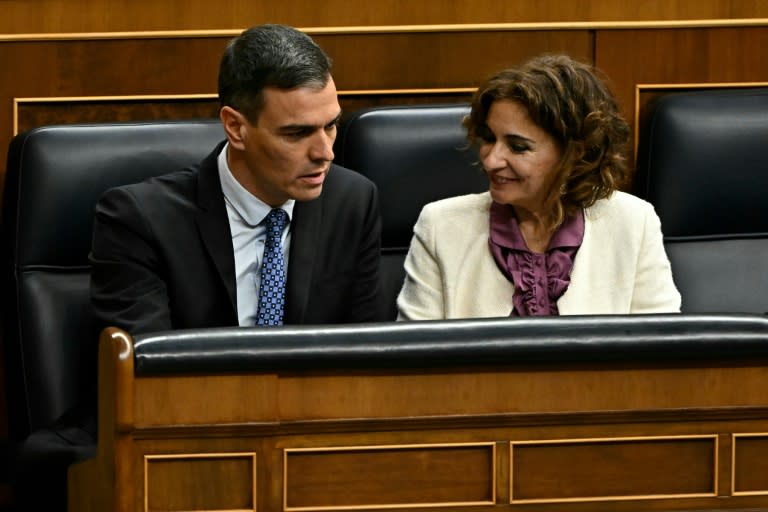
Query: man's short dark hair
point(269, 56)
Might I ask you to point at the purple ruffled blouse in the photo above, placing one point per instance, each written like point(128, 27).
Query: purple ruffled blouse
point(539, 278)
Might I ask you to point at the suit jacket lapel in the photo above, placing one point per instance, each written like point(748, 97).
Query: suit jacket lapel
point(305, 237)
point(213, 223)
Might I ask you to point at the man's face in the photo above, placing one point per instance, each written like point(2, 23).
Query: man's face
point(287, 152)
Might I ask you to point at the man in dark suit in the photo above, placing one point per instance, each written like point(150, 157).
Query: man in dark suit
point(187, 249)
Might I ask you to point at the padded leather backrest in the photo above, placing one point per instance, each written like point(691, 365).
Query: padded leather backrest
point(457, 343)
point(415, 154)
point(54, 177)
point(704, 166)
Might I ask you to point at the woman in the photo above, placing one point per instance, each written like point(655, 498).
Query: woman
point(553, 234)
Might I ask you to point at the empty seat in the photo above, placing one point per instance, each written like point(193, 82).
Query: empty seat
point(703, 164)
point(54, 177)
point(415, 154)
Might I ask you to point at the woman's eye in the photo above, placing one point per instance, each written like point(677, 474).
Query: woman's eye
point(518, 148)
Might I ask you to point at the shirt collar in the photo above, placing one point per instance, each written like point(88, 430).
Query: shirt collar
point(504, 230)
point(250, 208)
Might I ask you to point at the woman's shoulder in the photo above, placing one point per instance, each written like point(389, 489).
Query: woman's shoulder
point(620, 204)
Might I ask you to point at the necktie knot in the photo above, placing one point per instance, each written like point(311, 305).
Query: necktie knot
point(277, 218)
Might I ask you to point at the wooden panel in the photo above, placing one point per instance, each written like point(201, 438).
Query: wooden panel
point(389, 476)
point(603, 469)
point(750, 464)
point(440, 59)
point(446, 63)
point(680, 56)
point(306, 396)
point(117, 15)
point(219, 399)
point(47, 69)
point(225, 481)
point(30, 114)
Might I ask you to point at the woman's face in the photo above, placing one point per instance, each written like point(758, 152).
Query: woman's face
point(519, 157)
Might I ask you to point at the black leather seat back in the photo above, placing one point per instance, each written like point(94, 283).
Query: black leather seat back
point(415, 154)
point(704, 166)
point(54, 177)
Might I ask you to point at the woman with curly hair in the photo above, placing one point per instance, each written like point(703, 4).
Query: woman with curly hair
point(553, 234)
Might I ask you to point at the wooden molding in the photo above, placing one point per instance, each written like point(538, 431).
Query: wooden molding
point(607, 440)
point(402, 29)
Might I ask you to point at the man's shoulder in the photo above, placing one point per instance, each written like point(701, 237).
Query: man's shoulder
point(176, 181)
point(180, 182)
point(341, 176)
point(347, 189)
point(156, 197)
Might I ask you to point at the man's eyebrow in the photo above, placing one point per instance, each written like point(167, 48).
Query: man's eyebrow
point(292, 128)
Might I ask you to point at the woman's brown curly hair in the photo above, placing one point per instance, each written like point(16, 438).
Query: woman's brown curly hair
point(572, 103)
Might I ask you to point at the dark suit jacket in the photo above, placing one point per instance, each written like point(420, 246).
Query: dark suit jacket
point(162, 254)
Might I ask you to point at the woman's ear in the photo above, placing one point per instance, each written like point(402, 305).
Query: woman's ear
point(234, 126)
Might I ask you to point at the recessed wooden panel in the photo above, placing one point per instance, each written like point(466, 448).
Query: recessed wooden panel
point(34, 112)
point(750, 464)
point(389, 476)
point(225, 481)
point(41, 112)
point(612, 469)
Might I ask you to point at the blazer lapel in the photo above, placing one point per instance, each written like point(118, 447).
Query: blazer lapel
point(213, 223)
point(305, 237)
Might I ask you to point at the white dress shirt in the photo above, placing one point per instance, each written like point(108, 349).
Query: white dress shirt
point(247, 214)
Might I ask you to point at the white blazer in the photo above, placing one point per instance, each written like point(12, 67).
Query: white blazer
point(620, 268)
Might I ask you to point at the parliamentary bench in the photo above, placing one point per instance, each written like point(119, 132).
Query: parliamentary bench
point(662, 412)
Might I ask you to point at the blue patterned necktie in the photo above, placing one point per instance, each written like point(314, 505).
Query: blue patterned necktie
point(272, 288)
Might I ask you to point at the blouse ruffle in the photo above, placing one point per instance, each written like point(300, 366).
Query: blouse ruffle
point(540, 279)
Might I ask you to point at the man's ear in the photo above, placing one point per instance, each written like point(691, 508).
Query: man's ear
point(234, 126)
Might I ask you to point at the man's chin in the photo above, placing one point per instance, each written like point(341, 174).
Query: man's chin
point(308, 193)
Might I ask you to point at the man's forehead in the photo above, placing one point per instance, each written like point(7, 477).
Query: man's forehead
point(300, 106)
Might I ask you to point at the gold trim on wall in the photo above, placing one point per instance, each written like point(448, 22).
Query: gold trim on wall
point(221, 455)
point(734, 438)
point(17, 102)
point(400, 29)
point(588, 499)
point(640, 88)
point(398, 506)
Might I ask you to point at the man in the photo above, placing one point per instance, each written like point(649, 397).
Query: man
point(187, 250)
